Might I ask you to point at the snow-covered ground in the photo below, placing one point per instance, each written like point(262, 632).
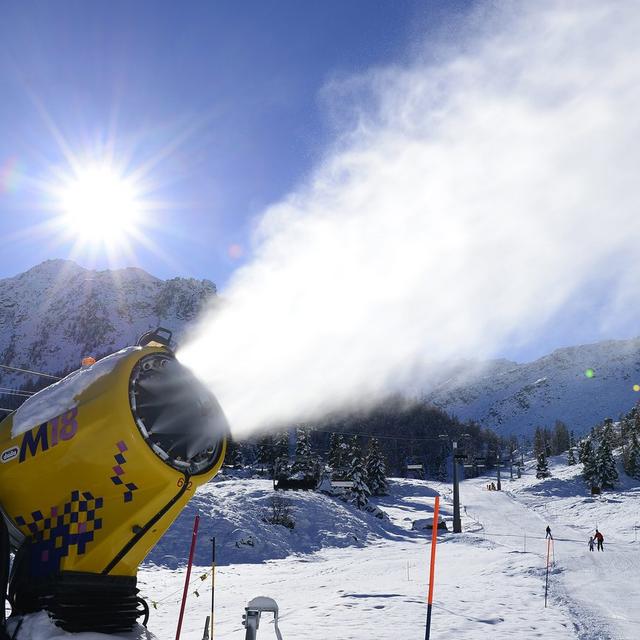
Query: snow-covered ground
point(342, 574)
point(372, 590)
point(600, 589)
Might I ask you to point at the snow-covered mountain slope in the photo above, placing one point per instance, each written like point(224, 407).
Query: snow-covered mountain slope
point(515, 398)
point(58, 312)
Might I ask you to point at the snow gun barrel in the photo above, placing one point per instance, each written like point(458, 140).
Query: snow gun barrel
point(93, 471)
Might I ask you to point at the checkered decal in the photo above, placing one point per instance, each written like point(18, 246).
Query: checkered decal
point(129, 487)
point(62, 531)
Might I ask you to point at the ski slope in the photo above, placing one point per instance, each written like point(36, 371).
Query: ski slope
point(601, 590)
point(371, 582)
point(377, 590)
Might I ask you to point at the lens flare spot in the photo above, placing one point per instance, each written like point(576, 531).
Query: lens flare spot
point(235, 251)
point(589, 373)
point(9, 175)
point(636, 387)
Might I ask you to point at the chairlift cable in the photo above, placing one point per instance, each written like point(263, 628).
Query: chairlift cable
point(29, 371)
point(5, 391)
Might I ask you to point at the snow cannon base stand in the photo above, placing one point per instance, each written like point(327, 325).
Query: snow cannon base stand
point(78, 601)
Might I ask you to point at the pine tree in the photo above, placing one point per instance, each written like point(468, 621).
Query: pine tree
point(561, 438)
point(582, 445)
point(336, 452)
point(588, 459)
point(376, 471)
point(233, 455)
point(538, 442)
point(352, 450)
point(605, 464)
point(266, 452)
point(542, 469)
point(571, 458)
point(304, 459)
point(281, 445)
point(625, 429)
point(632, 457)
point(360, 491)
point(547, 443)
point(281, 468)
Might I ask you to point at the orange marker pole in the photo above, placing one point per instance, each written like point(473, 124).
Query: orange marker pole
point(546, 582)
point(432, 568)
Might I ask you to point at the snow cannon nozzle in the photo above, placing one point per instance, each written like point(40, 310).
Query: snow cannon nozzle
point(176, 414)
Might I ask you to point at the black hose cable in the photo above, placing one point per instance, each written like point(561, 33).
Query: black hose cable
point(145, 528)
point(145, 606)
point(4, 574)
point(14, 635)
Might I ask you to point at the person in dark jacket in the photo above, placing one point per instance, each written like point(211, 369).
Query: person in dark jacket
point(548, 534)
point(599, 540)
point(591, 543)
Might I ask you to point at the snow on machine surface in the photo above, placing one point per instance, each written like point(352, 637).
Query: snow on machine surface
point(94, 470)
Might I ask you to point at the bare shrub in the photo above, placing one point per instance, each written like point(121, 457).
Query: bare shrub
point(279, 512)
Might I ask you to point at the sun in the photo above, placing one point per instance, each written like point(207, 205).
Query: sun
point(98, 205)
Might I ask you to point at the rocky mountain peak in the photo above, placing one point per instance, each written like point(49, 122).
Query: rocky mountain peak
point(57, 312)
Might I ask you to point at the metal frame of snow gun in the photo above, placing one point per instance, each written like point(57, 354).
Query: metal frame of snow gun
point(89, 492)
point(253, 612)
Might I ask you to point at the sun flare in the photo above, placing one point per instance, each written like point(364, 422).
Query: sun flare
point(99, 206)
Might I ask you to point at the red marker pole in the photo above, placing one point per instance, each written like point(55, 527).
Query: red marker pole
point(432, 568)
point(194, 537)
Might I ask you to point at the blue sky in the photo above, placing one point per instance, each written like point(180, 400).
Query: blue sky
point(220, 105)
point(220, 101)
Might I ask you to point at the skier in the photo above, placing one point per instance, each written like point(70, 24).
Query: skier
point(548, 534)
point(591, 543)
point(599, 539)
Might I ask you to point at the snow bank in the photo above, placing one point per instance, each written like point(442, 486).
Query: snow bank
point(61, 396)
point(235, 511)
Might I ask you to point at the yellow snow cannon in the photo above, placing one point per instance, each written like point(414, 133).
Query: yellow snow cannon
point(93, 470)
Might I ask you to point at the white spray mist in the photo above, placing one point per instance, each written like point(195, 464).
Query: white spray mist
point(470, 201)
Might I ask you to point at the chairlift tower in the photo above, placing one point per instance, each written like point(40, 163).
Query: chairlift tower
point(457, 523)
point(458, 457)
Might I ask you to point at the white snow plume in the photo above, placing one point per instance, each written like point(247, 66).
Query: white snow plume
point(469, 203)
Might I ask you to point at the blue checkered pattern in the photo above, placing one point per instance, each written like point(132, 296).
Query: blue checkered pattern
point(129, 487)
point(53, 537)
